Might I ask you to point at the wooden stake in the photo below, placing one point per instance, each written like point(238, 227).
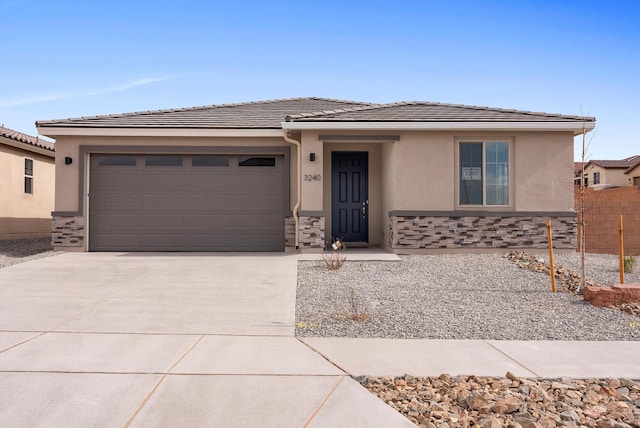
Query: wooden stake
point(621, 248)
point(552, 269)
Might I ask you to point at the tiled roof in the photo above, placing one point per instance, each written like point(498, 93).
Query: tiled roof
point(577, 167)
point(270, 114)
point(258, 114)
point(617, 164)
point(422, 111)
point(633, 166)
point(26, 139)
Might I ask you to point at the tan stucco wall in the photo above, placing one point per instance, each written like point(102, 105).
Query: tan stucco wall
point(543, 168)
point(25, 215)
point(608, 176)
point(68, 176)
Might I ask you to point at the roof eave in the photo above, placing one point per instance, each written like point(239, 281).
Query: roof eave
point(577, 127)
point(56, 131)
point(28, 147)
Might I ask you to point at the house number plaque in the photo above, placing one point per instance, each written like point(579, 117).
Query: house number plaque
point(312, 177)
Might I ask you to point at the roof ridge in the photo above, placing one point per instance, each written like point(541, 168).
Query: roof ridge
point(195, 108)
point(373, 106)
point(21, 137)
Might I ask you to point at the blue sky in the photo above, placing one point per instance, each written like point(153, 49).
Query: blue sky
point(78, 58)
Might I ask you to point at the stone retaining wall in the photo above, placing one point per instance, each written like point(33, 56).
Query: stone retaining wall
point(67, 231)
point(444, 232)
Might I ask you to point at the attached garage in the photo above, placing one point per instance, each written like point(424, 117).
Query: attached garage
point(187, 202)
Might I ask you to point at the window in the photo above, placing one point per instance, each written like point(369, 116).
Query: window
point(254, 161)
point(210, 161)
point(484, 173)
point(163, 160)
point(596, 178)
point(28, 176)
point(117, 160)
point(586, 180)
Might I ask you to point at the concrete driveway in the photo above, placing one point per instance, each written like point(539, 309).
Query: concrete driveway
point(122, 339)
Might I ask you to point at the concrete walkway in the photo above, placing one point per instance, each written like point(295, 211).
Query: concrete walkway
point(120, 339)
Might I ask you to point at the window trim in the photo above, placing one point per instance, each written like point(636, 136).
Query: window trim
point(28, 176)
point(484, 139)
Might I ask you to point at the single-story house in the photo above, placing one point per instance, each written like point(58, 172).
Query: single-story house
point(610, 173)
point(27, 176)
point(260, 176)
point(633, 172)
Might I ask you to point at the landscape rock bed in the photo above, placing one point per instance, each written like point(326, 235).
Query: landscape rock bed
point(456, 296)
point(23, 250)
point(469, 401)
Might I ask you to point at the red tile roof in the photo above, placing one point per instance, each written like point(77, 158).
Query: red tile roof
point(26, 139)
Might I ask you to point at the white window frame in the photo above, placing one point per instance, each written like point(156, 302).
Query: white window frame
point(511, 180)
point(28, 176)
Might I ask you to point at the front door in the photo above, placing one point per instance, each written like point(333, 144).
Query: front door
point(349, 196)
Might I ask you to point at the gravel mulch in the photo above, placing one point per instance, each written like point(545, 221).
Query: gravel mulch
point(23, 250)
point(456, 296)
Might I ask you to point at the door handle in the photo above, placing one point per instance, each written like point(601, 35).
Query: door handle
point(364, 208)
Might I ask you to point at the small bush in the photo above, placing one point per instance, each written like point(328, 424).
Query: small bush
point(629, 263)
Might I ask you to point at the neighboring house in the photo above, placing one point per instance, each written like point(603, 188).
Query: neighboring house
point(610, 173)
point(577, 172)
point(27, 177)
point(259, 176)
point(633, 173)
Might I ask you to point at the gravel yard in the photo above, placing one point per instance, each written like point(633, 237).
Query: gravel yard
point(456, 296)
point(22, 250)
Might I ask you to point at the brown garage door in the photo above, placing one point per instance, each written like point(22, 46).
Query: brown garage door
point(186, 203)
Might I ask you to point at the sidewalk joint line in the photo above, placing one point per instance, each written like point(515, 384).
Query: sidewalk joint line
point(322, 403)
point(323, 356)
point(162, 378)
point(511, 358)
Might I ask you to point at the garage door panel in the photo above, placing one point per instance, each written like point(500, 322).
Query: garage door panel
point(219, 203)
point(215, 206)
point(216, 222)
point(258, 202)
point(172, 203)
point(115, 221)
point(249, 222)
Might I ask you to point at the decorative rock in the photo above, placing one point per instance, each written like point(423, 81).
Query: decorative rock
point(469, 401)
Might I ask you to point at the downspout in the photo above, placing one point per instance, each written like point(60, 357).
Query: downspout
point(296, 217)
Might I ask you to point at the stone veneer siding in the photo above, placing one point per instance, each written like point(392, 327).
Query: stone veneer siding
point(67, 231)
point(445, 232)
point(289, 232)
point(311, 232)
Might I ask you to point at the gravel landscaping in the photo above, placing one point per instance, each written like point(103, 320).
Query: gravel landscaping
point(23, 250)
point(456, 296)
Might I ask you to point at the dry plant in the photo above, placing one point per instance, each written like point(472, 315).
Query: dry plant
point(357, 307)
point(335, 259)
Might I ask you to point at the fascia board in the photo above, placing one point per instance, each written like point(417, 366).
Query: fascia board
point(576, 127)
point(156, 132)
point(28, 147)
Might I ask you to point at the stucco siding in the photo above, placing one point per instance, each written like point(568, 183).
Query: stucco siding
point(25, 215)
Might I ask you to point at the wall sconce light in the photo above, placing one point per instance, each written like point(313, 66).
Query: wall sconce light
point(312, 157)
point(67, 160)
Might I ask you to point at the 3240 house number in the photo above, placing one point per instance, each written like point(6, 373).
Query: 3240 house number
point(312, 177)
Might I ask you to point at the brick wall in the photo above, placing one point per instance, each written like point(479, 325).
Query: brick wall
point(602, 208)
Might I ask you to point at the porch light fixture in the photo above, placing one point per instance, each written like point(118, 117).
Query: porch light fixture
point(68, 160)
point(312, 157)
